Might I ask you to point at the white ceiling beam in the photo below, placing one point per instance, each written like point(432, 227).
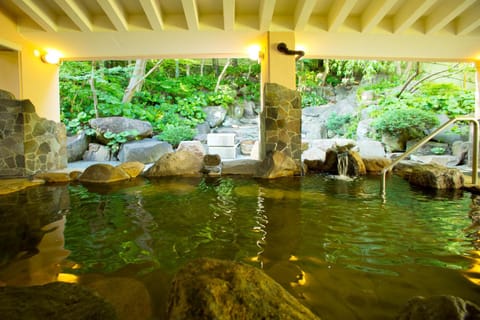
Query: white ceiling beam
point(228, 15)
point(375, 12)
point(115, 14)
point(303, 11)
point(409, 13)
point(40, 15)
point(191, 14)
point(266, 13)
point(77, 13)
point(154, 14)
point(469, 22)
point(444, 14)
point(339, 13)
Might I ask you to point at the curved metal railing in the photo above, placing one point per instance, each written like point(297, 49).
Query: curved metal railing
point(430, 136)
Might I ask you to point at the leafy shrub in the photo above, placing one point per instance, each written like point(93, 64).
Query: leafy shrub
point(117, 139)
point(445, 98)
point(176, 134)
point(410, 121)
point(311, 99)
point(338, 123)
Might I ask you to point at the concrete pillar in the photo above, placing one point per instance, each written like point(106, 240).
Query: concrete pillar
point(278, 68)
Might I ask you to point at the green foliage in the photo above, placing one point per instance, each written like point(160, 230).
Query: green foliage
point(176, 134)
point(445, 98)
point(338, 124)
point(355, 70)
point(437, 150)
point(310, 99)
point(165, 99)
point(409, 121)
point(117, 139)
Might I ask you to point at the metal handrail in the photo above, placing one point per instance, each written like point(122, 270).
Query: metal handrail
point(430, 136)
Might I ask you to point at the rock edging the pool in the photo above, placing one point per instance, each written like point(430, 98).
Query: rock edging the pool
point(189, 163)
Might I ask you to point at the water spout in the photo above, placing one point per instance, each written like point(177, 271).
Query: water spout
point(342, 165)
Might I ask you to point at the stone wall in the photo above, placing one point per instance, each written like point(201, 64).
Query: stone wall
point(281, 117)
point(28, 143)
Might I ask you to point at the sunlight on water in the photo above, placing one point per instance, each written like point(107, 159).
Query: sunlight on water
point(334, 244)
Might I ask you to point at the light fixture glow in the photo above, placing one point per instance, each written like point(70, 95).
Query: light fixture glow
point(254, 52)
point(51, 57)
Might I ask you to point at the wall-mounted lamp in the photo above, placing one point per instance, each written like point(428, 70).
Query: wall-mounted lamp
point(49, 56)
point(282, 47)
point(255, 52)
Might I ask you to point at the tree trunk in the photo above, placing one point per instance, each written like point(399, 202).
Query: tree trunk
point(138, 77)
point(215, 66)
point(94, 91)
point(220, 77)
point(202, 65)
point(177, 69)
point(136, 80)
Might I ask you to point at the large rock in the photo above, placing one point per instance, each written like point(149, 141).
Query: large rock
point(103, 173)
point(132, 168)
point(54, 177)
point(439, 308)
point(76, 146)
point(144, 151)
point(376, 165)
point(180, 163)
point(215, 115)
point(241, 167)
point(214, 289)
point(97, 152)
point(276, 165)
point(356, 167)
point(195, 147)
point(371, 149)
point(7, 95)
point(54, 301)
point(120, 124)
point(430, 175)
point(444, 160)
point(460, 151)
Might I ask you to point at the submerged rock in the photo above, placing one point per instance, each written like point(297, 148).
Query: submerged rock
point(215, 289)
point(54, 301)
point(439, 308)
point(128, 296)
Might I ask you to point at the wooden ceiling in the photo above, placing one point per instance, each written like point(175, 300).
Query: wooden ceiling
point(68, 23)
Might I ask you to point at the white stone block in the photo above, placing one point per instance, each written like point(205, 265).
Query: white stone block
point(221, 139)
point(223, 152)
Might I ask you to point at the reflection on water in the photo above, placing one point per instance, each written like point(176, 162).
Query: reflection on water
point(334, 244)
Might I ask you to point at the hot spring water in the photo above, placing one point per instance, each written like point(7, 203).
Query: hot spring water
point(333, 244)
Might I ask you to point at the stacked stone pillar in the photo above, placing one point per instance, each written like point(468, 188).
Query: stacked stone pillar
point(28, 143)
point(282, 116)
